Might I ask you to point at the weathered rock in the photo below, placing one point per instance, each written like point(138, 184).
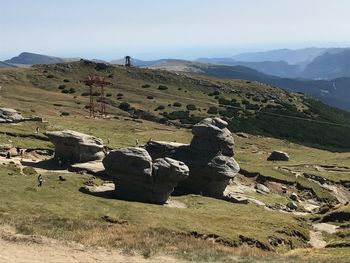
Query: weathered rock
point(138, 179)
point(278, 156)
point(292, 205)
point(8, 115)
point(159, 149)
point(294, 197)
point(211, 135)
point(167, 173)
point(262, 188)
point(76, 147)
point(209, 175)
point(209, 158)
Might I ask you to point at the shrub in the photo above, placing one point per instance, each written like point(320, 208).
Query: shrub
point(179, 89)
point(177, 104)
point(124, 106)
point(212, 110)
point(160, 107)
point(96, 93)
point(109, 95)
point(120, 95)
point(162, 87)
point(84, 94)
point(57, 105)
point(150, 97)
point(50, 76)
point(66, 80)
point(65, 91)
point(110, 76)
point(145, 86)
point(191, 107)
point(64, 113)
point(61, 87)
point(71, 90)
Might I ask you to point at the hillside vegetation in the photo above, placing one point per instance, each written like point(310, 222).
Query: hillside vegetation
point(161, 96)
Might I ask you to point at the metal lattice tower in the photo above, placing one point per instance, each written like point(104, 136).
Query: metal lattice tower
point(127, 61)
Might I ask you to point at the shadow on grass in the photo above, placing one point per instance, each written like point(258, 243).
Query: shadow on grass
point(50, 164)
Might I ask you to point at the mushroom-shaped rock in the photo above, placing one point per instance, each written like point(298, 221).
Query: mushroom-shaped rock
point(209, 175)
point(138, 179)
point(167, 173)
point(131, 170)
point(212, 135)
point(76, 147)
point(278, 156)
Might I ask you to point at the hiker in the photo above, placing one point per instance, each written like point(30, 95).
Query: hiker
point(137, 143)
point(8, 155)
point(37, 129)
point(40, 180)
point(108, 141)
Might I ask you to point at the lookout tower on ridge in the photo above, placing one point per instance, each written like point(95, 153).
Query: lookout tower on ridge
point(127, 61)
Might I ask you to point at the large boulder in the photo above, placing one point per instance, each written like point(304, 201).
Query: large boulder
point(76, 147)
point(211, 135)
point(278, 156)
point(209, 175)
point(8, 115)
point(137, 178)
point(209, 158)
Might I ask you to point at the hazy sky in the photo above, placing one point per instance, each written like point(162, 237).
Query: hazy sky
point(148, 29)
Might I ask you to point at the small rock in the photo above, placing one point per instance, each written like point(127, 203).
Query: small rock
point(292, 205)
point(262, 188)
point(294, 197)
point(236, 199)
point(242, 135)
point(278, 156)
point(284, 189)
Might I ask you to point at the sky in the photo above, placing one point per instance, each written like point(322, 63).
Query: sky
point(152, 29)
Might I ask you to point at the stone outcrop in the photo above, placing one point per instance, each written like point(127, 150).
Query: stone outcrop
point(137, 178)
point(278, 156)
point(8, 115)
point(76, 147)
point(209, 158)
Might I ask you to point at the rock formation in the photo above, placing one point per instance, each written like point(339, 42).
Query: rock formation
point(76, 147)
point(278, 156)
point(137, 178)
point(8, 115)
point(209, 158)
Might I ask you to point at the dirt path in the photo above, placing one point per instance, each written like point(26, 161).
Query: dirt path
point(16, 248)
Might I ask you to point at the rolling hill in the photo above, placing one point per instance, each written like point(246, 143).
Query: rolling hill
point(26, 58)
point(179, 98)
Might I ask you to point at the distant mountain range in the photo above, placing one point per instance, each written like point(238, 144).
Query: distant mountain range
point(319, 72)
point(309, 63)
point(27, 58)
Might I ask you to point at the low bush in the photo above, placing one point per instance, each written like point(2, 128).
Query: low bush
point(191, 107)
point(177, 104)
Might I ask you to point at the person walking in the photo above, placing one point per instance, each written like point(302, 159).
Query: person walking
point(40, 180)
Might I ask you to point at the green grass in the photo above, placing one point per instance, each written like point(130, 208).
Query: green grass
point(60, 210)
